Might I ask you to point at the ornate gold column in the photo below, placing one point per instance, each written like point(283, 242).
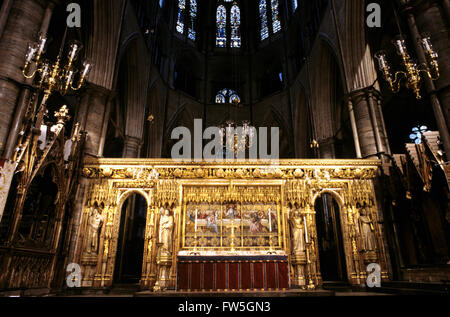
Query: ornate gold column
point(97, 223)
point(365, 232)
point(107, 270)
point(354, 265)
point(305, 262)
point(313, 261)
point(148, 279)
point(299, 243)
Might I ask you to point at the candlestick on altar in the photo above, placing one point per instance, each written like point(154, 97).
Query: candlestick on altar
point(306, 230)
point(270, 221)
point(196, 211)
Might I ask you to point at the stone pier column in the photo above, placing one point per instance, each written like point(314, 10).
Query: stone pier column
point(369, 122)
point(25, 94)
point(91, 114)
point(132, 147)
point(446, 7)
point(431, 17)
point(431, 20)
point(326, 148)
point(4, 13)
point(24, 21)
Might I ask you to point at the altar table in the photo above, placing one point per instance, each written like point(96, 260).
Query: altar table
point(232, 273)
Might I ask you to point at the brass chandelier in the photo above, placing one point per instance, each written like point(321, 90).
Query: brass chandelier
point(230, 135)
point(47, 77)
point(238, 138)
point(54, 77)
point(412, 72)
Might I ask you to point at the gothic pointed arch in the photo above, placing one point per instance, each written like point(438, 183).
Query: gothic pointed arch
point(103, 44)
point(183, 117)
point(302, 123)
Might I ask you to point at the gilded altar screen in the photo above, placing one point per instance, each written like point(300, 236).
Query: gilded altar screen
point(237, 223)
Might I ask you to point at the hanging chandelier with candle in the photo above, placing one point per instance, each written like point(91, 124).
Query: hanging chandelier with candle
point(234, 137)
point(412, 71)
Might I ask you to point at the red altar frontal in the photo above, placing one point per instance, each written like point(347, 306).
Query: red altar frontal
point(232, 273)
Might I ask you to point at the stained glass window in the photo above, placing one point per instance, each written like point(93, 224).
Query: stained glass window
point(220, 98)
point(180, 19)
point(235, 26)
point(227, 96)
point(234, 98)
point(294, 5)
point(418, 131)
point(263, 16)
point(276, 24)
point(221, 21)
point(193, 17)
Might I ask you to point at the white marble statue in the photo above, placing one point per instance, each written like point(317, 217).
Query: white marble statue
point(165, 232)
point(367, 231)
point(297, 229)
point(95, 223)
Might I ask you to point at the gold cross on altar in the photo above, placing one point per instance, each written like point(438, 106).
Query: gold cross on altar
point(62, 115)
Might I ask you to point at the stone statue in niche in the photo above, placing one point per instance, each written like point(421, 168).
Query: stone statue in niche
point(297, 229)
point(164, 260)
point(367, 230)
point(95, 223)
point(165, 232)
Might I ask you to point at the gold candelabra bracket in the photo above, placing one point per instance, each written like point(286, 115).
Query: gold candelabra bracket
point(413, 72)
point(238, 138)
point(48, 77)
point(56, 76)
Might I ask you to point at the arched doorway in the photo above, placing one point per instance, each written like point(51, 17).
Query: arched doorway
point(130, 246)
point(330, 241)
